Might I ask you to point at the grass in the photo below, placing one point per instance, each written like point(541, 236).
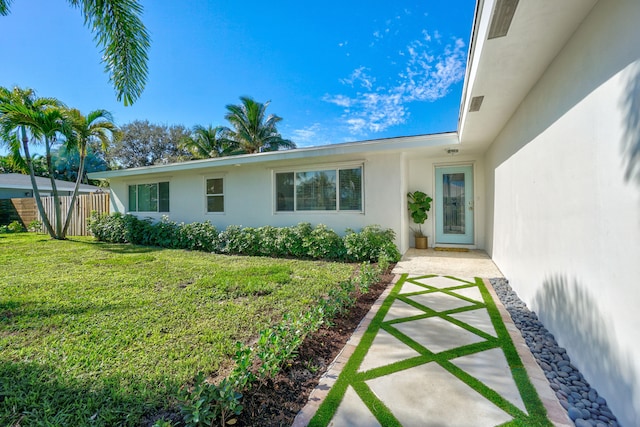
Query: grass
point(102, 334)
point(357, 380)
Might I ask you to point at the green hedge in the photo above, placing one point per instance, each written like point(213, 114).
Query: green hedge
point(301, 241)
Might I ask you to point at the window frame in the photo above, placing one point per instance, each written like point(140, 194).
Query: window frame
point(319, 168)
point(159, 200)
point(206, 195)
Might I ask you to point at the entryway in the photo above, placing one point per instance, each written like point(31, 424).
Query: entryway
point(454, 205)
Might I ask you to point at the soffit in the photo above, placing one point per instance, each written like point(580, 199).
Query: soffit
point(504, 69)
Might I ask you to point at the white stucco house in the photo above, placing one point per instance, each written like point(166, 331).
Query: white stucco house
point(545, 179)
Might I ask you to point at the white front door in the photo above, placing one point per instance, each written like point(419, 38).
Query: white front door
point(454, 205)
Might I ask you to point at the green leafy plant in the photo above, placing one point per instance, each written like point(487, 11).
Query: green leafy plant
point(205, 403)
point(368, 276)
point(370, 244)
point(419, 205)
point(35, 226)
point(163, 423)
point(15, 227)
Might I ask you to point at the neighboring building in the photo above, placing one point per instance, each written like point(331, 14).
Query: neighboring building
point(18, 186)
point(546, 178)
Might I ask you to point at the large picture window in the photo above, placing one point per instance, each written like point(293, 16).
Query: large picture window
point(338, 189)
point(215, 195)
point(149, 197)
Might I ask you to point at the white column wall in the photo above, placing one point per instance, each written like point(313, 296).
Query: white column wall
point(563, 220)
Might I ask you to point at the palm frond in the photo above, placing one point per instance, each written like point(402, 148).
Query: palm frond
point(252, 132)
point(4, 7)
point(124, 41)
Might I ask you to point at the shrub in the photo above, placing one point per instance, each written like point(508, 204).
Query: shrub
point(372, 244)
point(15, 227)
point(163, 233)
point(206, 403)
point(35, 226)
point(198, 236)
point(324, 243)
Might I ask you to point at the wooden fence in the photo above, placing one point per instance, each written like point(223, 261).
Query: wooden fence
point(85, 204)
point(23, 210)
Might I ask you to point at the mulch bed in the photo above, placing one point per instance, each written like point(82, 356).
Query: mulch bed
point(278, 401)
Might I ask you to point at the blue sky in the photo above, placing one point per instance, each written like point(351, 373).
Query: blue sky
point(334, 71)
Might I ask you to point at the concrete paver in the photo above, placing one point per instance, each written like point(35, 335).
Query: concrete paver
point(450, 402)
point(479, 319)
point(436, 334)
point(432, 388)
point(492, 368)
point(353, 412)
point(385, 350)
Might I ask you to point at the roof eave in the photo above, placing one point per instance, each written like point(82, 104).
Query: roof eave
point(387, 144)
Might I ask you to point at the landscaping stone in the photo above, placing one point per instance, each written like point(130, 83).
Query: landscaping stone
point(582, 402)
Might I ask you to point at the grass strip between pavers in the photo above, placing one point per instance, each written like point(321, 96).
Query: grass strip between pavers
point(357, 380)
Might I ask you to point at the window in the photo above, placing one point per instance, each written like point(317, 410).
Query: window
point(149, 197)
point(215, 195)
point(337, 189)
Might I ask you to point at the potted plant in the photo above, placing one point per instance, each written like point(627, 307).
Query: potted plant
point(419, 204)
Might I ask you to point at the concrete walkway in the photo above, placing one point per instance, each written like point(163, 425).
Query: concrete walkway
point(437, 349)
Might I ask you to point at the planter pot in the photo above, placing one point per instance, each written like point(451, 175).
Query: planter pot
point(421, 242)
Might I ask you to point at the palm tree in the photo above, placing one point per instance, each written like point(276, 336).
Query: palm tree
point(122, 39)
point(97, 126)
point(209, 142)
point(252, 132)
point(21, 114)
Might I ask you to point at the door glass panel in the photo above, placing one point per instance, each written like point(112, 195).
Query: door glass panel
point(453, 203)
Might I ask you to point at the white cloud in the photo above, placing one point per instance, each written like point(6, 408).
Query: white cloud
point(340, 100)
point(359, 76)
point(429, 70)
point(306, 136)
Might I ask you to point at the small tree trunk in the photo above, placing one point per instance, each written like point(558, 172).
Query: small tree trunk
point(54, 191)
point(36, 192)
point(83, 155)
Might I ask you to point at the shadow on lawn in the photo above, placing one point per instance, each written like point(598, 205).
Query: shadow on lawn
point(118, 248)
point(13, 311)
point(34, 394)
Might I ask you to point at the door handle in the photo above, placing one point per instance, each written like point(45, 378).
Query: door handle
point(470, 205)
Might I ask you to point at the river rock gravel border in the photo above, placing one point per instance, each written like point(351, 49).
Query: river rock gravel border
point(581, 401)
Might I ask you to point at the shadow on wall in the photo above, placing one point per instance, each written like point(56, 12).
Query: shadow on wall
point(631, 125)
point(572, 314)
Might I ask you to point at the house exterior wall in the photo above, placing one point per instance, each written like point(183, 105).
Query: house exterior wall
point(563, 217)
point(14, 193)
point(249, 195)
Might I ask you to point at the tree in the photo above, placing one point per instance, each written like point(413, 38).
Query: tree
point(252, 131)
point(208, 142)
point(66, 164)
point(23, 114)
point(9, 165)
point(122, 39)
point(95, 126)
point(141, 143)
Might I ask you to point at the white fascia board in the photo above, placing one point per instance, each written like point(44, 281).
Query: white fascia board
point(478, 36)
point(387, 144)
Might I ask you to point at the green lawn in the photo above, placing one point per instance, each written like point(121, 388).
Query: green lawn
point(100, 334)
